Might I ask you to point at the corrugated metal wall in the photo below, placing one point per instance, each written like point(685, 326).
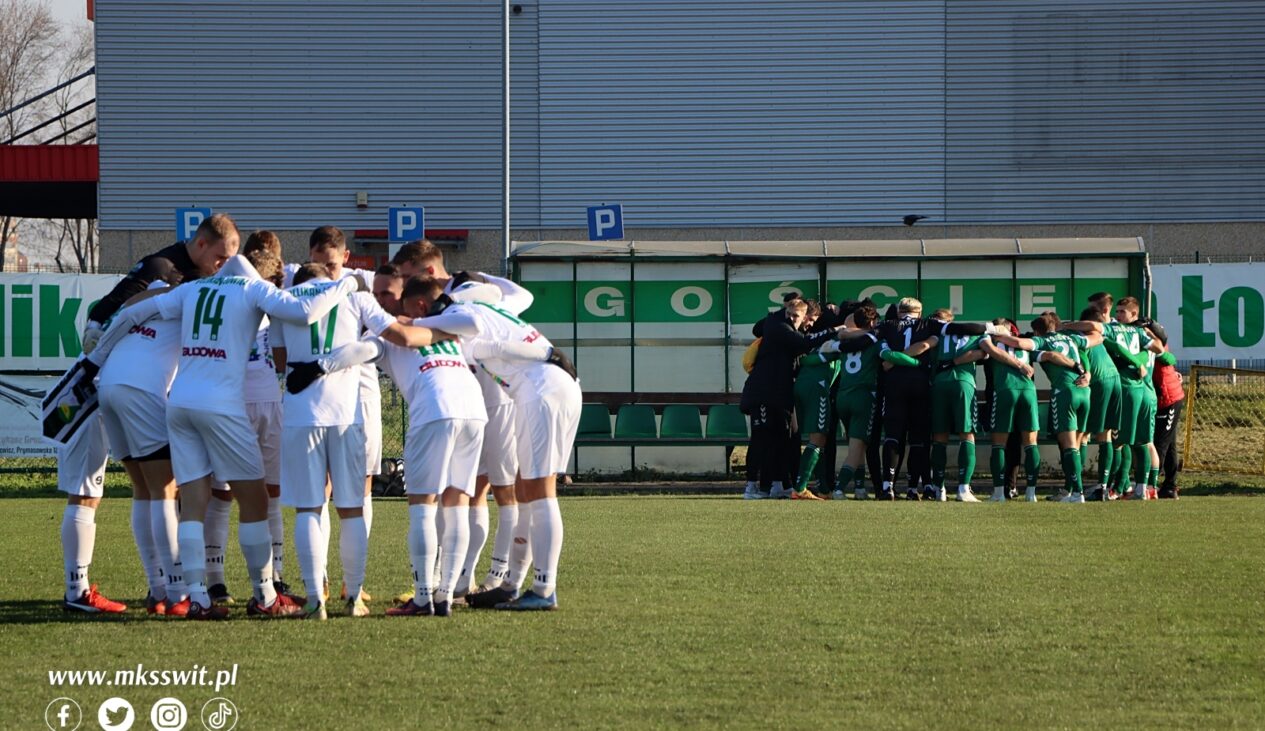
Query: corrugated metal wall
point(279, 111)
point(1075, 111)
point(705, 113)
point(691, 113)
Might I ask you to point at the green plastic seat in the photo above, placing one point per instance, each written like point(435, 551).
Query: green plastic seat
point(726, 421)
point(635, 421)
point(595, 422)
point(681, 422)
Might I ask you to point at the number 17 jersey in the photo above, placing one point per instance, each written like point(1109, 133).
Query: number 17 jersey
point(333, 399)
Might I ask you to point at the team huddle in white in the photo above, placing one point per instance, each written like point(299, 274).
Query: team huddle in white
point(188, 399)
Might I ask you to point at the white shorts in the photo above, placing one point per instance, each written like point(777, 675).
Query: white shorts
point(442, 454)
point(544, 430)
point(205, 443)
point(371, 410)
point(81, 463)
point(498, 459)
point(309, 453)
point(135, 421)
point(265, 417)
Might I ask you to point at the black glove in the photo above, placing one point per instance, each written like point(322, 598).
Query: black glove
point(439, 305)
point(560, 359)
point(461, 278)
point(302, 375)
point(86, 388)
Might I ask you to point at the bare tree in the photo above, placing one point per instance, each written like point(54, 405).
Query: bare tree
point(28, 43)
point(75, 127)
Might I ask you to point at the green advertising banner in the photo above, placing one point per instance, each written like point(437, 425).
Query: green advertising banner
point(755, 290)
point(885, 282)
point(972, 290)
point(1040, 286)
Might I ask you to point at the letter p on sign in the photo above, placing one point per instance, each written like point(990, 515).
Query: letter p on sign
point(606, 223)
point(406, 224)
point(188, 220)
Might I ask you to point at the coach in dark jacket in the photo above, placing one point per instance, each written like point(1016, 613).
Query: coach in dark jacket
point(769, 394)
point(214, 242)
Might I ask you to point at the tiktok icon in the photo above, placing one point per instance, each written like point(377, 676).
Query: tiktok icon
point(219, 714)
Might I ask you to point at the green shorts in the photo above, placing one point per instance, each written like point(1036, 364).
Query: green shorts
point(1014, 410)
point(953, 407)
point(1104, 405)
point(1069, 409)
point(855, 407)
point(1137, 415)
point(812, 407)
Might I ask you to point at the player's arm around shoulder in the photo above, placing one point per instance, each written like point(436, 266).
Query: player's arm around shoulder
point(282, 305)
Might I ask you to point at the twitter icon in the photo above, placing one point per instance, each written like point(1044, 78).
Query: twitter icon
point(116, 714)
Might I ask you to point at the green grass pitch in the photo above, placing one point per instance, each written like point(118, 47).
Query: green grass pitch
point(714, 612)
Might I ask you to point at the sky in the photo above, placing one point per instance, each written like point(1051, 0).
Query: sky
point(70, 11)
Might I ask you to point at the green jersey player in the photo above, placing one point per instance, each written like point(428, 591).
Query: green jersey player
point(1105, 362)
point(1069, 390)
point(858, 356)
point(953, 408)
point(1138, 405)
point(1014, 405)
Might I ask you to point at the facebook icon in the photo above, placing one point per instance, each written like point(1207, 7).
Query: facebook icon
point(606, 223)
point(63, 713)
point(406, 224)
point(188, 220)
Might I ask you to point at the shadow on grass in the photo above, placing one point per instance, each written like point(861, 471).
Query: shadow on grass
point(37, 611)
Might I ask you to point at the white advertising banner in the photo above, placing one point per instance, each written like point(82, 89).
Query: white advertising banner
point(41, 317)
point(1211, 311)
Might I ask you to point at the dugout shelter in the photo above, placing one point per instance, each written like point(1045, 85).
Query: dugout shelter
point(663, 324)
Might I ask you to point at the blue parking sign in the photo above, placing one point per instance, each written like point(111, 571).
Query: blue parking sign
point(406, 223)
point(606, 223)
point(188, 220)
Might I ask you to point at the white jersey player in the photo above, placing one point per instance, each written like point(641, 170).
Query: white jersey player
point(323, 433)
point(211, 437)
point(81, 459)
point(133, 386)
point(547, 402)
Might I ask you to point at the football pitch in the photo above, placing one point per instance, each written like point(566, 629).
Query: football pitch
point(710, 611)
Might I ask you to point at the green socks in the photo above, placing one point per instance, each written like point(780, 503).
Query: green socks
point(1105, 454)
point(1124, 462)
point(939, 458)
point(997, 463)
point(1141, 462)
point(966, 462)
point(1031, 463)
point(807, 463)
point(1072, 470)
point(846, 475)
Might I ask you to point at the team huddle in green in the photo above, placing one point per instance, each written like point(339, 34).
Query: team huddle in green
point(909, 385)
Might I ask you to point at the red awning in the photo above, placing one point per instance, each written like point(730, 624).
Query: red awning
point(48, 163)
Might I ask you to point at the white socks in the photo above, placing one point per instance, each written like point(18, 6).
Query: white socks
point(456, 541)
point(164, 518)
point(546, 543)
point(309, 549)
point(276, 531)
point(192, 540)
point(423, 546)
point(368, 511)
point(520, 548)
point(215, 527)
point(256, 543)
point(478, 538)
point(143, 533)
point(353, 545)
point(506, 519)
point(78, 537)
point(325, 530)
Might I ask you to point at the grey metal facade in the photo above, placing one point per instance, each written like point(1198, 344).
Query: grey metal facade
point(692, 113)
